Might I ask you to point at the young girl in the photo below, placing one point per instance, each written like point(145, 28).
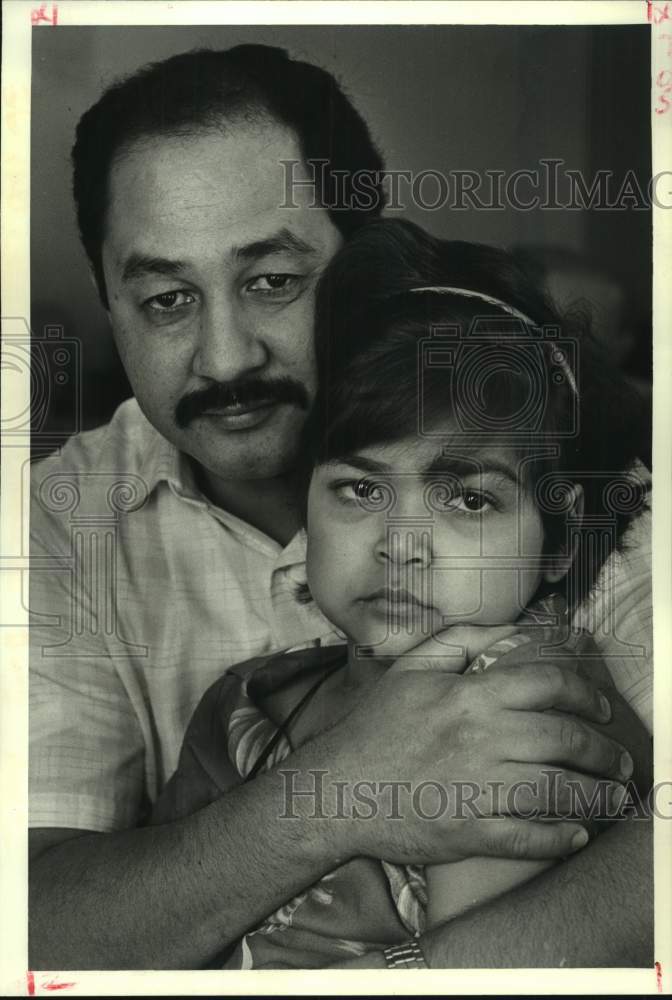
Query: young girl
point(470, 470)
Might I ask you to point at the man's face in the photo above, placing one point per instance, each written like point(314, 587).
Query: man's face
point(211, 290)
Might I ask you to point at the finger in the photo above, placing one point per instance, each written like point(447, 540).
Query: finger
point(543, 685)
point(590, 663)
point(438, 652)
point(545, 793)
point(476, 639)
point(508, 837)
point(451, 650)
point(432, 654)
point(543, 738)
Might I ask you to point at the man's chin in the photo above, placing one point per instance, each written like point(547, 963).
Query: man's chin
point(246, 467)
point(263, 450)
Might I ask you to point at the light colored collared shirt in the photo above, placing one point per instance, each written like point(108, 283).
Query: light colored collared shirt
point(143, 593)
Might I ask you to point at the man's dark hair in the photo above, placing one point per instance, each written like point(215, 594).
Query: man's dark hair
point(196, 90)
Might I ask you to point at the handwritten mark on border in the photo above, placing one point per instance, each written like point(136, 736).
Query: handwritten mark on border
point(49, 984)
point(659, 976)
point(39, 15)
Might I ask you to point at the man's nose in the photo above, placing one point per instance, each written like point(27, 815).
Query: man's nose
point(404, 546)
point(227, 347)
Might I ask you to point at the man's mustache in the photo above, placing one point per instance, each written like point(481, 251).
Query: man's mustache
point(220, 395)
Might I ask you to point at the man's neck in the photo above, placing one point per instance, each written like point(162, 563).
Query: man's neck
point(270, 505)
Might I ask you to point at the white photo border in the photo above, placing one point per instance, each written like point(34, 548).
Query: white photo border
point(20, 17)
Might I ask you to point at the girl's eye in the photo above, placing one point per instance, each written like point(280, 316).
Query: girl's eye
point(473, 502)
point(369, 491)
point(367, 494)
point(273, 285)
point(168, 302)
point(449, 498)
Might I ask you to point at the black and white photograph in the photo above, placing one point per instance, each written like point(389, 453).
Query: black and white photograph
point(337, 477)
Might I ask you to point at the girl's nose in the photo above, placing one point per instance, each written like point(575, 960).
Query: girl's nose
point(402, 546)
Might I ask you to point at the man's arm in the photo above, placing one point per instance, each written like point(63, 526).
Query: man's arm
point(596, 909)
point(170, 896)
point(173, 896)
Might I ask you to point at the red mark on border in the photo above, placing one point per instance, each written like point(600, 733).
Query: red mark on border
point(53, 985)
point(30, 983)
point(659, 976)
point(38, 15)
point(656, 13)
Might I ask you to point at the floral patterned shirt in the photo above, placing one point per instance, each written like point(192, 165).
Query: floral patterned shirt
point(363, 905)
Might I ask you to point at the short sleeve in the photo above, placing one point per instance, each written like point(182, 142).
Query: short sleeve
point(87, 749)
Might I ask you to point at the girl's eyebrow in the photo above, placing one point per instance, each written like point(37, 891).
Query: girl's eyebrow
point(441, 465)
point(453, 465)
point(360, 462)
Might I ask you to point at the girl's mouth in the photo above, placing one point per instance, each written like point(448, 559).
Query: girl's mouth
point(395, 599)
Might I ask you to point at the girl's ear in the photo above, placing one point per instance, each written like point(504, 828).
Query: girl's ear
point(561, 562)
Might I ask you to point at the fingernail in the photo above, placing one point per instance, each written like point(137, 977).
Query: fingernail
point(617, 797)
point(605, 706)
point(627, 766)
point(580, 839)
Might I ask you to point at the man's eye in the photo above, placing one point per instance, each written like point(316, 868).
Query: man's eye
point(169, 301)
point(273, 284)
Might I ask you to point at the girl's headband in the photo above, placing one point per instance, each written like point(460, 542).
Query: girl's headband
point(466, 293)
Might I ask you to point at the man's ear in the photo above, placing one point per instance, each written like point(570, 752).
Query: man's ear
point(562, 561)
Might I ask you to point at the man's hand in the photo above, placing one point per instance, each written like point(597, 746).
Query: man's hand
point(461, 737)
point(172, 896)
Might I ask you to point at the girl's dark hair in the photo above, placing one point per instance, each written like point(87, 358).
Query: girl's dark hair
point(393, 362)
point(196, 90)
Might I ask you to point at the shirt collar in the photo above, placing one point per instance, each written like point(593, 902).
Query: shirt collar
point(166, 463)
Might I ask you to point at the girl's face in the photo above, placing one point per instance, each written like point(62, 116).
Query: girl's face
point(408, 538)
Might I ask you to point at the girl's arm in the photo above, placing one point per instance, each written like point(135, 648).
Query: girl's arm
point(454, 888)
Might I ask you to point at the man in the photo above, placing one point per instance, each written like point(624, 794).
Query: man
point(165, 548)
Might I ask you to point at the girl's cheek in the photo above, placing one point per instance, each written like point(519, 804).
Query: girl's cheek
point(327, 552)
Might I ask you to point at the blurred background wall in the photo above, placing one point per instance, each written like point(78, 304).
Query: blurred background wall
point(437, 98)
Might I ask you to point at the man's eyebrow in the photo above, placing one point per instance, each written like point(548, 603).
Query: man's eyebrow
point(456, 466)
point(284, 241)
point(139, 265)
point(360, 462)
